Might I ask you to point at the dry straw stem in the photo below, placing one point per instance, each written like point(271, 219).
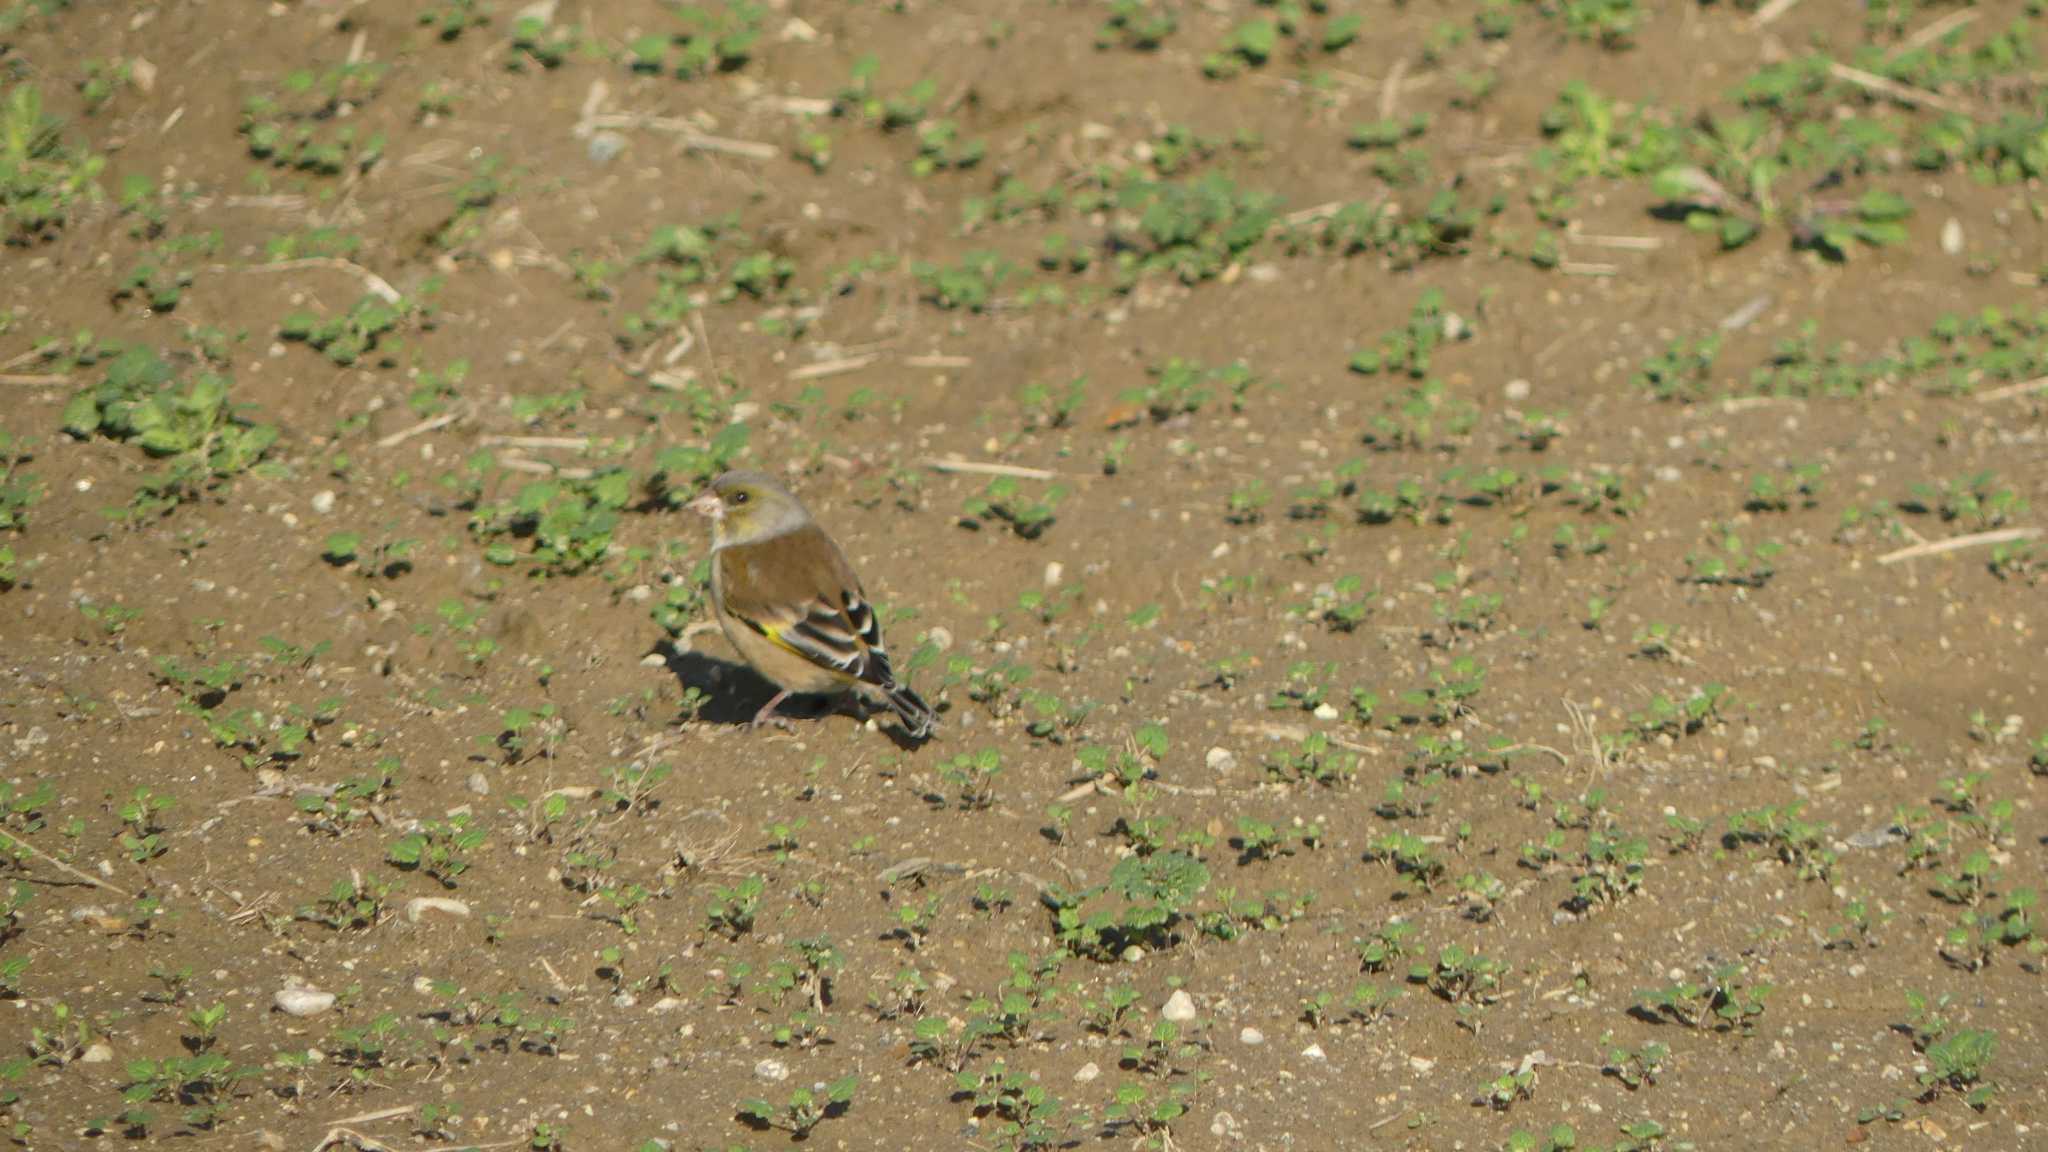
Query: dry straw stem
point(419, 429)
point(1746, 315)
point(1586, 741)
point(543, 468)
point(1870, 81)
point(59, 865)
point(1625, 243)
point(2022, 388)
point(1958, 543)
point(1771, 12)
point(839, 367)
point(1935, 31)
point(340, 1135)
point(1390, 91)
point(953, 464)
point(572, 443)
point(692, 139)
point(375, 284)
point(1296, 733)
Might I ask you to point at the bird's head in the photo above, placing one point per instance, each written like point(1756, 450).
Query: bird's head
point(747, 506)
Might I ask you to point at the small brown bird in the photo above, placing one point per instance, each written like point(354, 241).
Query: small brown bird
point(790, 603)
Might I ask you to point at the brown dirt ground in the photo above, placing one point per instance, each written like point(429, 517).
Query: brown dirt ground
point(1833, 641)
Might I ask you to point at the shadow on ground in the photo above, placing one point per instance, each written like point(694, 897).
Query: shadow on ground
point(733, 693)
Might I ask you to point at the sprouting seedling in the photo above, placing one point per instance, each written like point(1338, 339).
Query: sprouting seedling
point(1138, 25)
point(439, 848)
point(143, 837)
point(1722, 1001)
point(732, 909)
point(1635, 1067)
point(972, 776)
point(1029, 515)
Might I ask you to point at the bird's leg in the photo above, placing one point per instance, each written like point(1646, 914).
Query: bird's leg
point(767, 713)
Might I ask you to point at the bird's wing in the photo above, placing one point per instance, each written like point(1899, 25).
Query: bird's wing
point(797, 590)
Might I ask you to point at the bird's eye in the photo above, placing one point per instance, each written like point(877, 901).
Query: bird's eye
point(739, 497)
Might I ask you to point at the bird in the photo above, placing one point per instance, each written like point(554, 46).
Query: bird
point(790, 604)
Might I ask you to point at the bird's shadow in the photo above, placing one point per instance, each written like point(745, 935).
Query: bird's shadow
point(731, 694)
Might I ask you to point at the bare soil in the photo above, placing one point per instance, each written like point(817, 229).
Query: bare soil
point(579, 989)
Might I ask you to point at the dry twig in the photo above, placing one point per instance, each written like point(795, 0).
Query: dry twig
point(1771, 11)
point(1958, 543)
point(955, 464)
point(59, 865)
point(2024, 387)
point(1872, 82)
point(420, 429)
point(839, 367)
point(377, 285)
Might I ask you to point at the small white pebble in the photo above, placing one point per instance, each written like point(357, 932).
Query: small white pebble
point(323, 501)
point(1179, 1007)
point(1517, 389)
point(1053, 571)
point(1086, 1073)
point(1251, 1037)
point(773, 1071)
point(1314, 1054)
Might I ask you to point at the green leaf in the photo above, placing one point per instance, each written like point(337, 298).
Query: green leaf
point(1255, 40)
point(1342, 31)
point(82, 415)
point(1882, 204)
point(841, 1090)
point(1152, 738)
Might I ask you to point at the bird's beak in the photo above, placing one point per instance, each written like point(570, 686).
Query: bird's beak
point(708, 504)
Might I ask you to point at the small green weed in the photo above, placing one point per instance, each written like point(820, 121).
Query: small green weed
point(43, 179)
point(439, 848)
point(205, 439)
point(1724, 1001)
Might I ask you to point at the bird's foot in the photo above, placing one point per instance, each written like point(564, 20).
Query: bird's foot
point(767, 715)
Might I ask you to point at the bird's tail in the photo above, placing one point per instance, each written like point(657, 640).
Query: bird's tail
point(917, 716)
